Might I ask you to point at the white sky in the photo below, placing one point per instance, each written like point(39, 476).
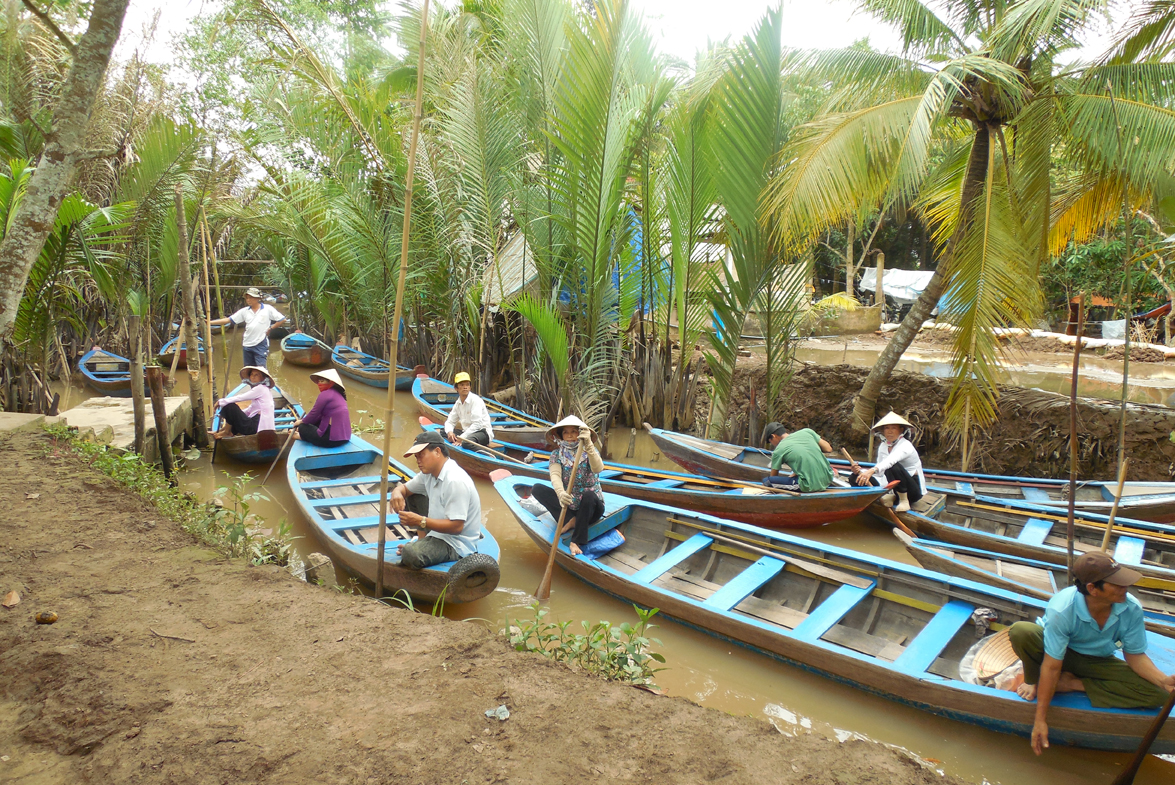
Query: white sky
point(680, 27)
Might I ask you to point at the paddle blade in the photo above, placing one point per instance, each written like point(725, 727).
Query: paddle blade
point(499, 474)
point(1127, 775)
point(424, 420)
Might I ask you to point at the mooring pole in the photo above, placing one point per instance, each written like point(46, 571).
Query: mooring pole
point(1073, 439)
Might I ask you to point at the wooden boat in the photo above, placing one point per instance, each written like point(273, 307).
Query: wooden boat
point(305, 350)
point(1032, 577)
point(338, 491)
point(1146, 500)
point(368, 369)
point(106, 372)
point(739, 501)
point(167, 351)
point(262, 447)
point(434, 399)
point(1037, 532)
point(887, 628)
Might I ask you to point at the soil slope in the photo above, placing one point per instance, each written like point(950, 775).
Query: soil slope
point(172, 664)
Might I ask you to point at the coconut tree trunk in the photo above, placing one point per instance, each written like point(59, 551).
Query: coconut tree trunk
point(865, 406)
point(34, 218)
point(195, 384)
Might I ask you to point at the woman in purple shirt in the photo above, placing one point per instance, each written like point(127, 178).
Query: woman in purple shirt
point(328, 424)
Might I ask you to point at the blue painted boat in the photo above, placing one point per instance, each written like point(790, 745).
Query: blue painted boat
point(168, 350)
point(338, 490)
point(435, 399)
point(305, 350)
point(890, 629)
point(366, 368)
point(1152, 501)
point(262, 447)
point(106, 372)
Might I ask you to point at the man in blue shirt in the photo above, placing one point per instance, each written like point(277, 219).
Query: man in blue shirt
point(1072, 649)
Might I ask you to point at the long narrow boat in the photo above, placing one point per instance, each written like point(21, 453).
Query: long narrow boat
point(434, 399)
point(1031, 577)
point(1036, 532)
point(739, 501)
point(338, 491)
point(264, 446)
point(890, 629)
point(1149, 501)
point(167, 351)
point(366, 368)
point(305, 350)
point(106, 372)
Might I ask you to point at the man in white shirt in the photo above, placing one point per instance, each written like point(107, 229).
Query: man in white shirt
point(452, 527)
point(259, 319)
point(469, 417)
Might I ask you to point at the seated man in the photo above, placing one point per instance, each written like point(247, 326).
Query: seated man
point(469, 418)
point(452, 526)
point(1072, 649)
point(804, 452)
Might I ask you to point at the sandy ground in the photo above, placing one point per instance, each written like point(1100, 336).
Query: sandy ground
point(172, 664)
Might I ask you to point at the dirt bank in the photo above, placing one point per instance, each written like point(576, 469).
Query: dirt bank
point(171, 664)
point(1029, 439)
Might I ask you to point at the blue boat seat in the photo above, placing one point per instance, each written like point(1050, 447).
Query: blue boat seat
point(831, 611)
point(608, 474)
point(1036, 495)
point(928, 644)
point(665, 484)
point(345, 501)
point(744, 584)
point(1129, 550)
point(1035, 531)
point(343, 481)
point(965, 487)
point(667, 561)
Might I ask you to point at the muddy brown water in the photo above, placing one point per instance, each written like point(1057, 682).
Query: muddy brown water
point(705, 669)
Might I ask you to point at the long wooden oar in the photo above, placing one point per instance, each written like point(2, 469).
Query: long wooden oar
point(1114, 509)
point(285, 447)
point(890, 515)
point(475, 445)
point(1128, 774)
point(544, 590)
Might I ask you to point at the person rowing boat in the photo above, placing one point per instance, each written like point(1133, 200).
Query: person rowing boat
point(897, 459)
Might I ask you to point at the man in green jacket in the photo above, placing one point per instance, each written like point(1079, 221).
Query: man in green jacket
point(803, 452)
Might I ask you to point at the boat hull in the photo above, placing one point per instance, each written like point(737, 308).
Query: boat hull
point(263, 447)
point(314, 355)
point(374, 378)
point(106, 372)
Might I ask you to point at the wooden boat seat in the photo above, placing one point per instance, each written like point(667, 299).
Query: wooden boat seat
point(1035, 531)
point(934, 638)
point(1036, 495)
point(665, 484)
point(832, 610)
point(672, 558)
point(1129, 550)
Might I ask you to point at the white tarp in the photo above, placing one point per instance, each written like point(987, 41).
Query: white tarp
point(903, 286)
point(1114, 329)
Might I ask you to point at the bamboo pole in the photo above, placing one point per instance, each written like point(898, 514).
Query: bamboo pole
point(543, 592)
point(1073, 440)
point(208, 313)
point(159, 410)
point(1117, 500)
point(393, 333)
point(224, 344)
point(137, 400)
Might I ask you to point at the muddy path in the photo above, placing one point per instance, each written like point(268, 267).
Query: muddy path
point(172, 664)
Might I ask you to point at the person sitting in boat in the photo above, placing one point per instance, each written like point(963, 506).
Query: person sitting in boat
point(897, 459)
point(469, 417)
point(804, 452)
point(258, 416)
point(328, 423)
point(451, 526)
point(1072, 648)
point(582, 495)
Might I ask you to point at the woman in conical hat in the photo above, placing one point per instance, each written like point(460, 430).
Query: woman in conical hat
point(581, 495)
point(897, 459)
point(258, 416)
point(328, 423)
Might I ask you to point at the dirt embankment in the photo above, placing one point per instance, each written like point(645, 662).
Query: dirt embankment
point(170, 664)
point(1031, 437)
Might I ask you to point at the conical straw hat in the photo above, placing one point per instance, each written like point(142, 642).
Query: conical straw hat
point(893, 418)
point(245, 374)
point(331, 375)
point(553, 433)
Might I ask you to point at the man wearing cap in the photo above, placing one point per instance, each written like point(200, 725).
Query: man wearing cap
point(258, 319)
point(1072, 648)
point(452, 527)
point(469, 417)
point(804, 452)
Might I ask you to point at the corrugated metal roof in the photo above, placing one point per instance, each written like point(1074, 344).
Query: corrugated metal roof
point(513, 271)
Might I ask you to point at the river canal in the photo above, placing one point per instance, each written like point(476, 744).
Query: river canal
point(704, 669)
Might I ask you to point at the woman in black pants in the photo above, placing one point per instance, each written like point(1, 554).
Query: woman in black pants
point(582, 495)
point(328, 424)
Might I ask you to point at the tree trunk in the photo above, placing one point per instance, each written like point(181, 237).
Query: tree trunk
point(195, 384)
point(138, 402)
point(850, 257)
point(34, 218)
point(866, 404)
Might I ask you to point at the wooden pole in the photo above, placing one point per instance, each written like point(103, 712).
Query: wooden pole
point(195, 388)
point(1073, 439)
point(208, 313)
point(280, 453)
point(543, 592)
point(224, 343)
point(1128, 774)
point(175, 357)
point(159, 409)
point(137, 400)
point(1117, 500)
point(393, 333)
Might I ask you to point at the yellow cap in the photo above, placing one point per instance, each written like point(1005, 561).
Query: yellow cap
point(461, 377)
